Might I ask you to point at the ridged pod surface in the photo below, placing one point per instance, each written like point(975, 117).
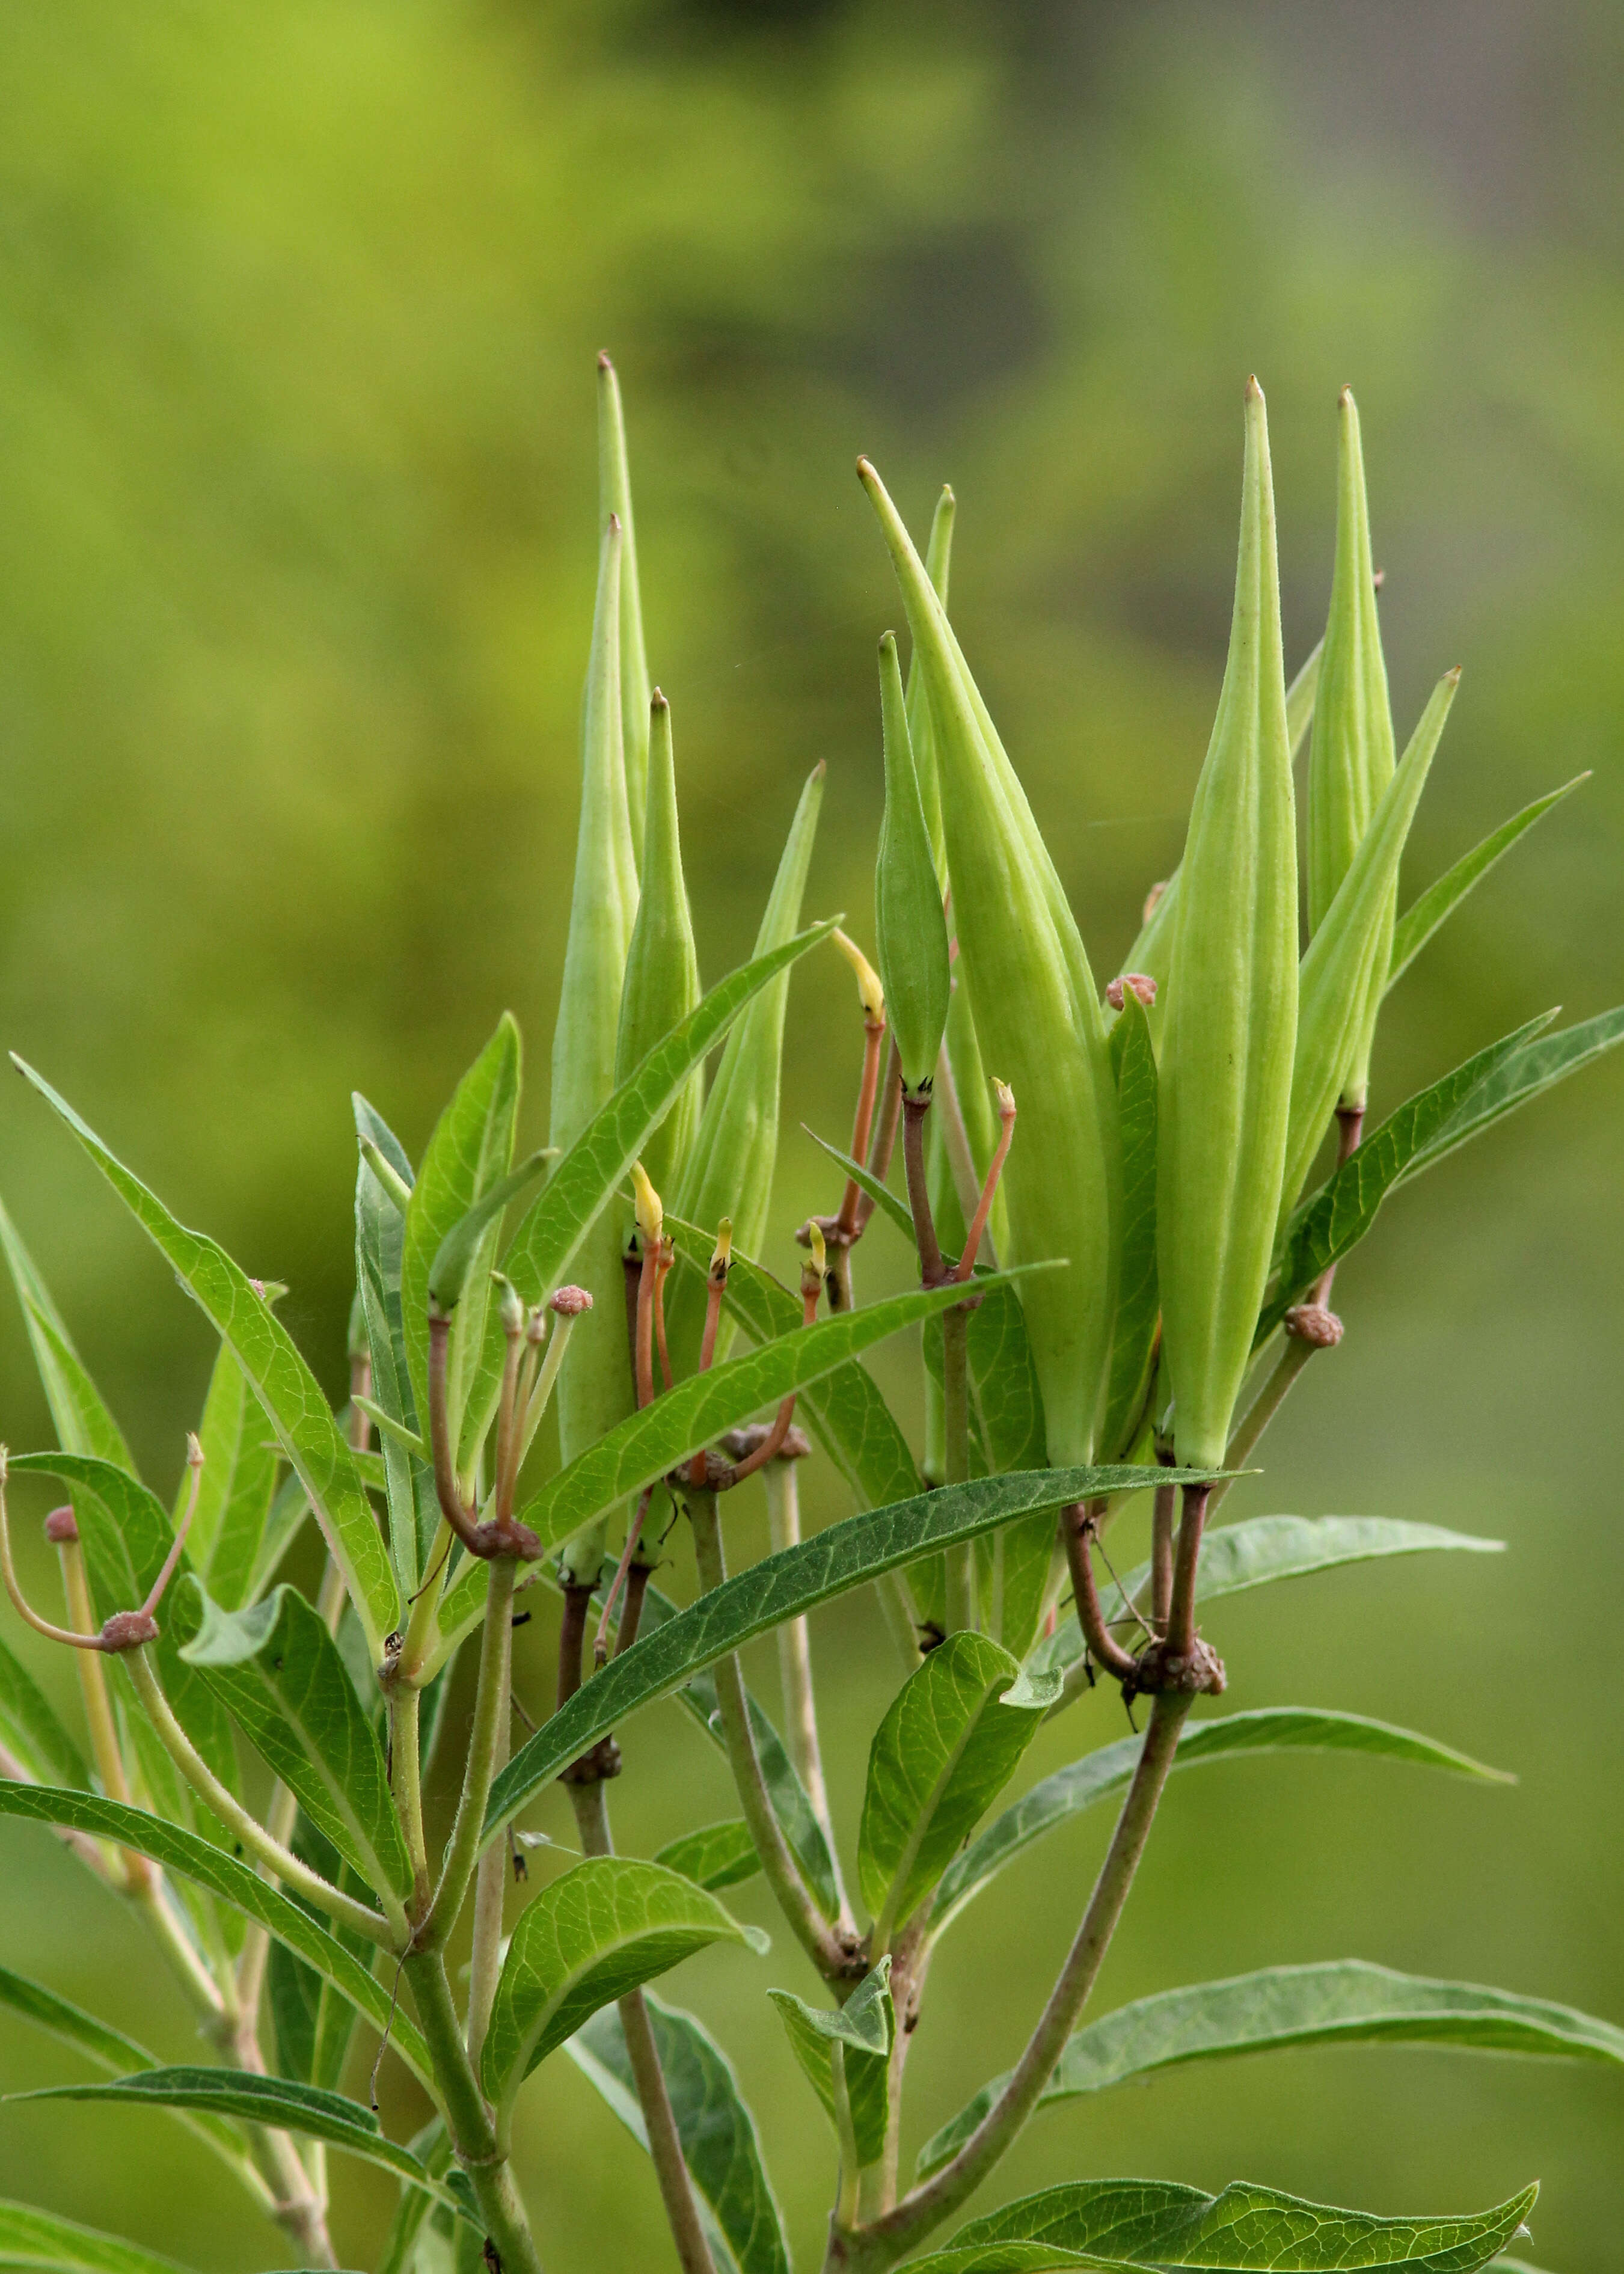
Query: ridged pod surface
point(1230, 1025)
point(909, 927)
point(615, 496)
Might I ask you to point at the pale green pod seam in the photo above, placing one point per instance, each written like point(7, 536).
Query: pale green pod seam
point(595, 1389)
point(910, 929)
point(729, 1170)
point(661, 964)
point(1352, 946)
point(615, 496)
point(1230, 1025)
point(1037, 1020)
point(938, 562)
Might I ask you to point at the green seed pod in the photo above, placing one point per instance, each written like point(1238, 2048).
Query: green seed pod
point(1225, 1086)
point(729, 1170)
point(1351, 945)
point(1037, 1020)
point(662, 967)
point(595, 1389)
point(939, 556)
point(1351, 759)
point(615, 496)
point(908, 923)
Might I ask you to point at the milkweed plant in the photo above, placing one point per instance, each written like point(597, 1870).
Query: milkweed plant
point(1128, 1204)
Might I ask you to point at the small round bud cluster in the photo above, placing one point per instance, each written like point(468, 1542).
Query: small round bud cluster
point(738, 1444)
point(1142, 984)
point(1311, 1322)
point(569, 1302)
point(129, 1630)
point(61, 1527)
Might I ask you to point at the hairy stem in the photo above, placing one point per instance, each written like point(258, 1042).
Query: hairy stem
point(491, 1711)
point(1078, 1526)
point(468, 2119)
point(406, 1768)
point(490, 1890)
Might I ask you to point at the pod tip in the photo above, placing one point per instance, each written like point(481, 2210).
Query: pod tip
point(615, 524)
point(865, 470)
point(604, 364)
point(657, 701)
point(1452, 677)
point(1252, 392)
point(1344, 401)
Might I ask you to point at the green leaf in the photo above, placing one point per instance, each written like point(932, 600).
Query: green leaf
point(720, 2144)
point(83, 1422)
point(32, 1733)
point(34, 2238)
point(1336, 1217)
point(845, 1410)
point(1153, 2221)
point(881, 1194)
point(380, 1243)
point(1415, 928)
point(284, 1384)
point(1139, 1303)
point(199, 1860)
point(716, 1855)
point(276, 1670)
point(236, 1486)
point(454, 1259)
point(863, 2028)
point(254, 2099)
point(642, 1448)
point(1538, 1067)
point(779, 1587)
point(1343, 2002)
point(1109, 1769)
point(606, 1927)
point(953, 1738)
point(286, 1521)
point(1005, 2258)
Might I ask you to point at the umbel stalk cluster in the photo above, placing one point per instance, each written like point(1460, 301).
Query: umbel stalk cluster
point(1125, 1206)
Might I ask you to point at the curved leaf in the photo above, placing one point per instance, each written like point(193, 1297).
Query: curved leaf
point(31, 1732)
point(34, 2238)
point(236, 1486)
point(284, 1384)
point(83, 1423)
point(716, 1855)
point(198, 1859)
point(1423, 915)
point(1109, 1769)
point(951, 1741)
point(863, 2028)
point(1534, 1069)
point(720, 2144)
point(606, 1927)
point(601, 1157)
point(1344, 2001)
point(881, 1193)
point(779, 1587)
point(454, 1259)
point(276, 1670)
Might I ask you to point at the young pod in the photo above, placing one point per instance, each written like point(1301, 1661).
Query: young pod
point(1037, 1019)
point(908, 922)
point(1225, 1085)
point(662, 967)
point(922, 735)
point(1351, 757)
point(615, 496)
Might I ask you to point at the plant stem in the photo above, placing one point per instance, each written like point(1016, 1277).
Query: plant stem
point(962, 1590)
point(1078, 1524)
point(1293, 1358)
point(406, 1761)
point(468, 2119)
point(1161, 1558)
point(884, 1129)
point(872, 2248)
point(1187, 1556)
point(422, 1625)
point(795, 1663)
point(491, 1711)
point(806, 1922)
point(931, 1270)
point(490, 1890)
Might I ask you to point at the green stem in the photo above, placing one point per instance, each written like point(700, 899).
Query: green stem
point(422, 1628)
point(468, 2119)
point(490, 1891)
point(1243, 1443)
point(795, 1663)
point(406, 1763)
point(491, 1710)
point(806, 1922)
point(962, 1606)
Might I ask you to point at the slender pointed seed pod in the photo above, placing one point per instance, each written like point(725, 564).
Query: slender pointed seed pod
point(1037, 1018)
point(908, 922)
point(1352, 942)
point(938, 558)
point(662, 967)
point(729, 1170)
point(1225, 1086)
point(596, 1390)
point(615, 496)
point(1351, 759)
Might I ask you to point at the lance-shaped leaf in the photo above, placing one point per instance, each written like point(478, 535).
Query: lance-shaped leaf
point(615, 496)
point(83, 1423)
point(1538, 1067)
point(862, 2028)
point(31, 1731)
point(1434, 907)
point(380, 1242)
point(1108, 1770)
point(720, 2144)
point(646, 1445)
point(455, 1257)
point(254, 2099)
point(953, 1738)
point(1156, 2223)
point(845, 1409)
point(276, 1670)
point(606, 1927)
point(910, 929)
point(781, 1586)
point(199, 1860)
point(662, 965)
point(1349, 947)
point(312, 2023)
point(729, 1170)
point(716, 1855)
point(37, 2239)
point(1336, 1217)
point(299, 1414)
point(1139, 1303)
point(1226, 1076)
point(1345, 2002)
point(236, 1486)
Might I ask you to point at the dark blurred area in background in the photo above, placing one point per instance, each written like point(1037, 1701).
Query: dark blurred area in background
point(298, 307)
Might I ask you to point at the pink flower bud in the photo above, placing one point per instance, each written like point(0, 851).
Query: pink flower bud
point(61, 1526)
point(1311, 1322)
point(1143, 986)
point(569, 1302)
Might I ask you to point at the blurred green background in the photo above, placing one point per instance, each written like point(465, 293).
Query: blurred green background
point(299, 305)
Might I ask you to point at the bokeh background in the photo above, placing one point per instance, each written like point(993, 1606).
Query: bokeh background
point(299, 307)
